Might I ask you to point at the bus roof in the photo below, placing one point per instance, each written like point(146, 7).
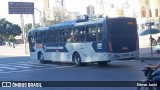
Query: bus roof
point(70, 23)
point(90, 22)
point(73, 23)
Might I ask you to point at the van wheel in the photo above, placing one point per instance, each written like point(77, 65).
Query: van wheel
point(158, 51)
point(41, 58)
point(77, 59)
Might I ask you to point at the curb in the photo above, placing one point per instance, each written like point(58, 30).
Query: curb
point(149, 58)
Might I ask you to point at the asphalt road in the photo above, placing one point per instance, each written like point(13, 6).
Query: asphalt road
point(25, 69)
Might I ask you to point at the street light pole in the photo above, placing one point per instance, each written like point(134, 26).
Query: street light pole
point(23, 31)
point(41, 23)
point(33, 24)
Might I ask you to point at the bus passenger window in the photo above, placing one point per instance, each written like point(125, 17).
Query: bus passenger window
point(91, 37)
point(39, 34)
point(31, 39)
point(92, 29)
point(79, 38)
point(54, 39)
point(39, 40)
point(100, 32)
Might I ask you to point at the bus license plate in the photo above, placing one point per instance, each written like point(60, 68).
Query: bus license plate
point(125, 55)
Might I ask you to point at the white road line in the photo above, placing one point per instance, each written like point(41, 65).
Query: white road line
point(115, 61)
point(22, 67)
point(18, 63)
point(30, 65)
point(17, 66)
point(36, 69)
point(8, 68)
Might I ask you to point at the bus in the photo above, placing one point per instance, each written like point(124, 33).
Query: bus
point(86, 41)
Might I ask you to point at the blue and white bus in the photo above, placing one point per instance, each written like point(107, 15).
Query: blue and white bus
point(85, 41)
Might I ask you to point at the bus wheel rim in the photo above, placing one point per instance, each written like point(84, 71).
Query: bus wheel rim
point(77, 60)
point(41, 57)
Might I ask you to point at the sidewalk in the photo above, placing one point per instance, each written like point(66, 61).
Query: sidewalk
point(145, 53)
point(19, 50)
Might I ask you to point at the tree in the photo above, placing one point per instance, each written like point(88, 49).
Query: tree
point(29, 26)
point(59, 14)
point(7, 29)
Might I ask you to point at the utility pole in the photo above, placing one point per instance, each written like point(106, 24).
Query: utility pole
point(33, 24)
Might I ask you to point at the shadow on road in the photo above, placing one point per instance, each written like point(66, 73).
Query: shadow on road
point(10, 59)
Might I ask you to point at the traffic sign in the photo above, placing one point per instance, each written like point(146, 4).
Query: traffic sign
point(21, 7)
point(149, 24)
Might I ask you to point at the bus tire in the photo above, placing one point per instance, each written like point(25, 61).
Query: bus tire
point(41, 58)
point(77, 59)
point(158, 51)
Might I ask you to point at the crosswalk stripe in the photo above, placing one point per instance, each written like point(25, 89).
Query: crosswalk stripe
point(22, 67)
point(31, 65)
point(37, 69)
point(8, 68)
point(17, 66)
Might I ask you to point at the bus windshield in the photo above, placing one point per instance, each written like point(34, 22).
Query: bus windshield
point(121, 26)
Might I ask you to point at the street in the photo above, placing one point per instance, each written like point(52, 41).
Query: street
point(15, 65)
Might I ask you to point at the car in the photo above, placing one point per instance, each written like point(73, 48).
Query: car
point(144, 38)
point(149, 31)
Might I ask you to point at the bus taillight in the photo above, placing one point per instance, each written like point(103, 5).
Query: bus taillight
point(110, 46)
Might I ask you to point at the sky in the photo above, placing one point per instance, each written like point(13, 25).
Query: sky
point(71, 5)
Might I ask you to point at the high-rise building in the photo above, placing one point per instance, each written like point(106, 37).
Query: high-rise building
point(46, 5)
point(49, 6)
point(90, 10)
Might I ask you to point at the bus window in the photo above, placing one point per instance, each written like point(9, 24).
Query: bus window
point(48, 37)
point(91, 37)
point(48, 33)
point(79, 30)
point(68, 35)
point(91, 33)
point(39, 40)
point(99, 32)
point(31, 39)
point(92, 29)
point(68, 31)
point(60, 39)
point(39, 34)
point(79, 34)
point(120, 27)
point(54, 33)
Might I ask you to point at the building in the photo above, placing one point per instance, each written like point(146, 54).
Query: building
point(49, 6)
point(46, 5)
point(90, 10)
point(149, 11)
point(73, 15)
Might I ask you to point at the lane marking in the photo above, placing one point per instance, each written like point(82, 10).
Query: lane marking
point(116, 61)
point(35, 69)
point(22, 67)
point(8, 68)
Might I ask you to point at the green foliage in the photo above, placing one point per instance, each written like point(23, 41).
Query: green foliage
point(7, 29)
point(11, 38)
point(28, 26)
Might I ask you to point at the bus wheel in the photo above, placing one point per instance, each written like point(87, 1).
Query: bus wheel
point(41, 58)
point(77, 59)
